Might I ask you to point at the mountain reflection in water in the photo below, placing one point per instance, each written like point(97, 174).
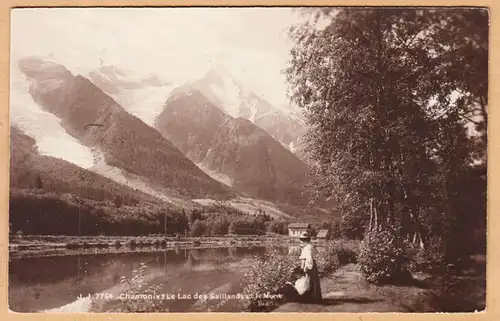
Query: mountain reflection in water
point(43, 283)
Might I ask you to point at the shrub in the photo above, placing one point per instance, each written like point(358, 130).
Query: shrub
point(118, 243)
point(347, 250)
point(381, 259)
point(267, 275)
point(132, 243)
point(327, 258)
point(431, 260)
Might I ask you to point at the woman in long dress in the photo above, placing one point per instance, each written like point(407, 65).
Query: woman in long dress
point(310, 268)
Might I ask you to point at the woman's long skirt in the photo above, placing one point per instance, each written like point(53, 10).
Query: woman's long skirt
point(314, 292)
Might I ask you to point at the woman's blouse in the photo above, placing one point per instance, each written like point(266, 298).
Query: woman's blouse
point(306, 257)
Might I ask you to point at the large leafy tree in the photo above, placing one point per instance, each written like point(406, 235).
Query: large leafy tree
point(379, 89)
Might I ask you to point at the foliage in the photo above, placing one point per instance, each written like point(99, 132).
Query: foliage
point(273, 270)
point(267, 275)
point(352, 225)
point(382, 259)
point(277, 227)
point(431, 260)
point(327, 258)
point(219, 226)
point(141, 296)
point(387, 136)
point(247, 226)
point(347, 251)
point(196, 214)
point(198, 228)
point(71, 215)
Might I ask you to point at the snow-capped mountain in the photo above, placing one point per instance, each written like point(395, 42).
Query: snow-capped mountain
point(141, 95)
point(44, 127)
point(234, 151)
point(86, 142)
point(284, 123)
point(144, 96)
point(66, 104)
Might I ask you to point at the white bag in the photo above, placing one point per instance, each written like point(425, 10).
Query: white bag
point(302, 284)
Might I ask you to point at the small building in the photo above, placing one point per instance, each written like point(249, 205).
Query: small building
point(296, 229)
point(323, 234)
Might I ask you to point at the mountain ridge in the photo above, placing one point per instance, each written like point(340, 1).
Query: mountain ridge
point(235, 147)
point(123, 138)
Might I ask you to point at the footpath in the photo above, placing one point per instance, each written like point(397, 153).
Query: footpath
point(347, 291)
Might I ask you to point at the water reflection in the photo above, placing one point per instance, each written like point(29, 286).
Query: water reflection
point(40, 283)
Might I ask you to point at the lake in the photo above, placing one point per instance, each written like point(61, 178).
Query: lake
point(61, 283)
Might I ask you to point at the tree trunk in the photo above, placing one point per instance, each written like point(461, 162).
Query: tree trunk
point(371, 215)
point(416, 223)
point(484, 112)
point(420, 232)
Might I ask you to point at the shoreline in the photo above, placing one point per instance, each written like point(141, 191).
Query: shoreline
point(43, 246)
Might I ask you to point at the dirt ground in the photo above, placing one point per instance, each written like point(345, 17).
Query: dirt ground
point(347, 291)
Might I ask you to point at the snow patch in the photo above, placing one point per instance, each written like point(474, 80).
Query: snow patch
point(141, 95)
point(145, 103)
point(236, 101)
point(229, 96)
point(44, 127)
point(254, 111)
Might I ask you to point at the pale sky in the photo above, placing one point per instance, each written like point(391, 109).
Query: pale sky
point(177, 44)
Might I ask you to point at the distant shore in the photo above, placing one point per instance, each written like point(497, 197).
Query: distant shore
point(53, 245)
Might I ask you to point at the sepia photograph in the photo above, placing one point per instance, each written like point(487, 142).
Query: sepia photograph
point(248, 159)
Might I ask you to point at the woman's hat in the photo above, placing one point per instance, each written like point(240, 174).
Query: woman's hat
point(304, 236)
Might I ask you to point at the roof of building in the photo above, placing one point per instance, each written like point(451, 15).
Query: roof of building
point(322, 233)
point(299, 225)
